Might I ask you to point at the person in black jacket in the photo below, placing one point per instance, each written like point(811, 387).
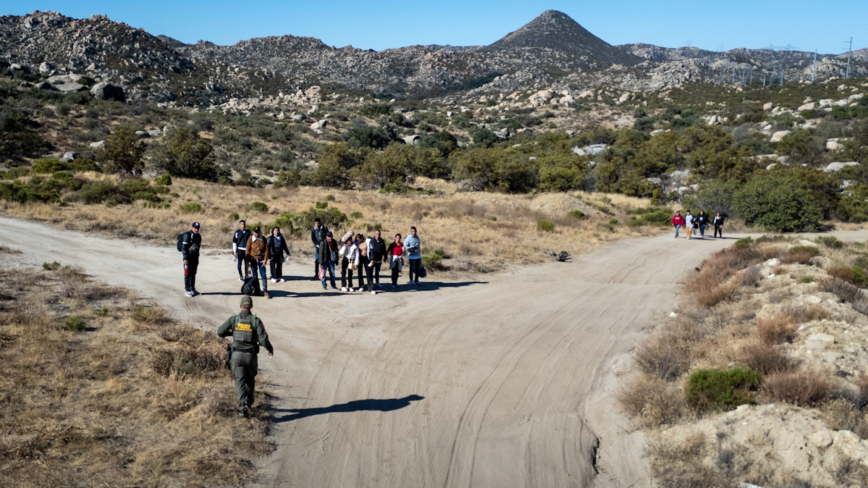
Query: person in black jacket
point(718, 225)
point(376, 253)
point(239, 249)
point(190, 245)
point(276, 249)
point(317, 236)
point(701, 222)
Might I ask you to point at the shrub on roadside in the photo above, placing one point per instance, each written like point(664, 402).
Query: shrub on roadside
point(711, 389)
point(651, 401)
point(801, 388)
point(799, 254)
point(766, 358)
point(779, 203)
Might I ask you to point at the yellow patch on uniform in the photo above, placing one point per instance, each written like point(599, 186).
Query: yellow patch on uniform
point(243, 327)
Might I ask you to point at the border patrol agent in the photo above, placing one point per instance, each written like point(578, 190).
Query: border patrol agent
point(248, 333)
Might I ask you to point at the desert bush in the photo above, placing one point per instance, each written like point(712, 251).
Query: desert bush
point(190, 207)
point(681, 464)
point(578, 214)
point(651, 401)
point(356, 215)
point(801, 388)
point(779, 203)
point(766, 358)
point(546, 226)
point(799, 254)
point(776, 329)
point(148, 315)
point(185, 362)
point(164, 179)
point(52, 266)
point(709, 389)
point(74, 324)
point(830, 242)
point(123, 151)
point(321, 205)
point(806, 279)
point(256, 207)
point(234, 216)
point(650, 216)
point(667, 353)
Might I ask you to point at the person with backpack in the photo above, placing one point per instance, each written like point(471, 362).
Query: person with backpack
point(239, 249)
point(688, 224)
point(328, 256)
point(317, 236)
point(364, 264)
point(349, 254)
point(248, 334)
point(276, 249)
point(189, 243)
point(376, 253)
point(701, 222)
point(677, 221)
point(395, 252)
point(257, 253)
point(414, 255)
point(718, 225)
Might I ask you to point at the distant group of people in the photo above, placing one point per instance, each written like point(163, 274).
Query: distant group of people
point(364, 257)
point(696, 224)
point(354, 253)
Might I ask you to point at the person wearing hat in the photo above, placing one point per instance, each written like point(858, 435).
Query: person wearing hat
point(191, 243)
point(248, 334)
point(257, 251)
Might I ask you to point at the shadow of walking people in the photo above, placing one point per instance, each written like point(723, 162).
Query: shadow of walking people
point(371, 404)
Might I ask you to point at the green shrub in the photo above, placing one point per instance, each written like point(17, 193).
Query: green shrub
point(48, 166)
point(394, 188)
point(650, 216)
point(356, 215)
point(330, 198)
point(546, 226)
point(321, 205)
point(234, 216)
point(433, 262)
point(54, 266)
point(613, 221)
point(332, 218)
point(493, 219)
point(744, 243)
point(190, 207)
point(578, 214)
point(830, 241)
point(257, 207)
point(101, 312)
point(779, 203)
point(74, 323)
point(711, 389)
point(807, 279)
point(164, 179)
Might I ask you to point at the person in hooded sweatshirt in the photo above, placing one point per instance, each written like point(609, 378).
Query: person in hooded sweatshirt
point(688, 223)
point(678, 222)
point(257, 252)
point(414, 255)
point(701, 222)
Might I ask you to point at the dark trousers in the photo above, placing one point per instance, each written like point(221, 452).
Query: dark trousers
point(277, 267)
point(702, 230)
point(244, 369)
point(364, 269)
point(718, 230)
point(415, 268)
point(242, 258)
point(316, 262)
point(190, 273)
point(395, 273)
point(377, 265)
point(346, 271)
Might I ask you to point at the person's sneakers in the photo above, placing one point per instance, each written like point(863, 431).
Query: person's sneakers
point(373, 292)
point(343, 288)
point(325, 287)
point(412, 282)
point(240, 279)
point(273, 280)
point(282, 280)
point(242, 412)
point(196, 292)
point(394, 287)
point(265, 294)
point(189, 294)
point(334, 288)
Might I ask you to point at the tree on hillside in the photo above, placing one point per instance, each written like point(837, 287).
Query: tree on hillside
point(123, 151)
point(185, 154)
point(780, 203)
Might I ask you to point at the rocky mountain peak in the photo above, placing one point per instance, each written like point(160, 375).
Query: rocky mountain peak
point(558, 32)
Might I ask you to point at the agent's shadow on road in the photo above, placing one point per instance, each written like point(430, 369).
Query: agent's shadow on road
point(371, 404)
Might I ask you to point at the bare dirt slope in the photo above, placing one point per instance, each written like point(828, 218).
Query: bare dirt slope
point(505, 382)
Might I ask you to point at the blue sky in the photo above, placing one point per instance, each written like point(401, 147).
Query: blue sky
point(807, 25)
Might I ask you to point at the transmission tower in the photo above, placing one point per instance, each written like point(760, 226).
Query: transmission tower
point(849, 53)
point(780, 56)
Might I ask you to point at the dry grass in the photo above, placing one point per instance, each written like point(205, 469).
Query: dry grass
point(460, 223)
point(651, 401)
point(802, 388)
point(782, 326)
point(713, 284)
point(766, 358)
point(681, 463)
point(96, 405)
point(666, 354)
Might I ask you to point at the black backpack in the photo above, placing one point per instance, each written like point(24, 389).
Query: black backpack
point(181, 241)
point(251, 287)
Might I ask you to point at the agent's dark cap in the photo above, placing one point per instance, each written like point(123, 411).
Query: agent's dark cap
point(195, 225)
point(246, 300)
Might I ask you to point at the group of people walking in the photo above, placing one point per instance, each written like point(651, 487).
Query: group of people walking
point(694, 225)
point(363, 257)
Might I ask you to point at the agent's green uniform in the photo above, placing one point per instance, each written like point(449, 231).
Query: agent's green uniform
point(248, 333)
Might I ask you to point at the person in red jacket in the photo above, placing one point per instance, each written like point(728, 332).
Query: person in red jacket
point(677, 221)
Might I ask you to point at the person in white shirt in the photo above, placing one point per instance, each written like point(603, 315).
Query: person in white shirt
point(688, 224)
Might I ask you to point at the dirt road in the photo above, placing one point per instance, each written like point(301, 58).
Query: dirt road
point(504, 382)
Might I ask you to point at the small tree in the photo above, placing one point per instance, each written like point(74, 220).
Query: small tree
point(185, 154)
point(123, 151)
point(778, 202)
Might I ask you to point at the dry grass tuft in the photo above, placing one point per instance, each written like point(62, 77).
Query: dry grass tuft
point(802, 388)
point(776, 329)
point(87, 402)
point(681, 463)
point(843, 415)
point(651, 401)
point(8, 250)
point(667, 353)
point(766, 358)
